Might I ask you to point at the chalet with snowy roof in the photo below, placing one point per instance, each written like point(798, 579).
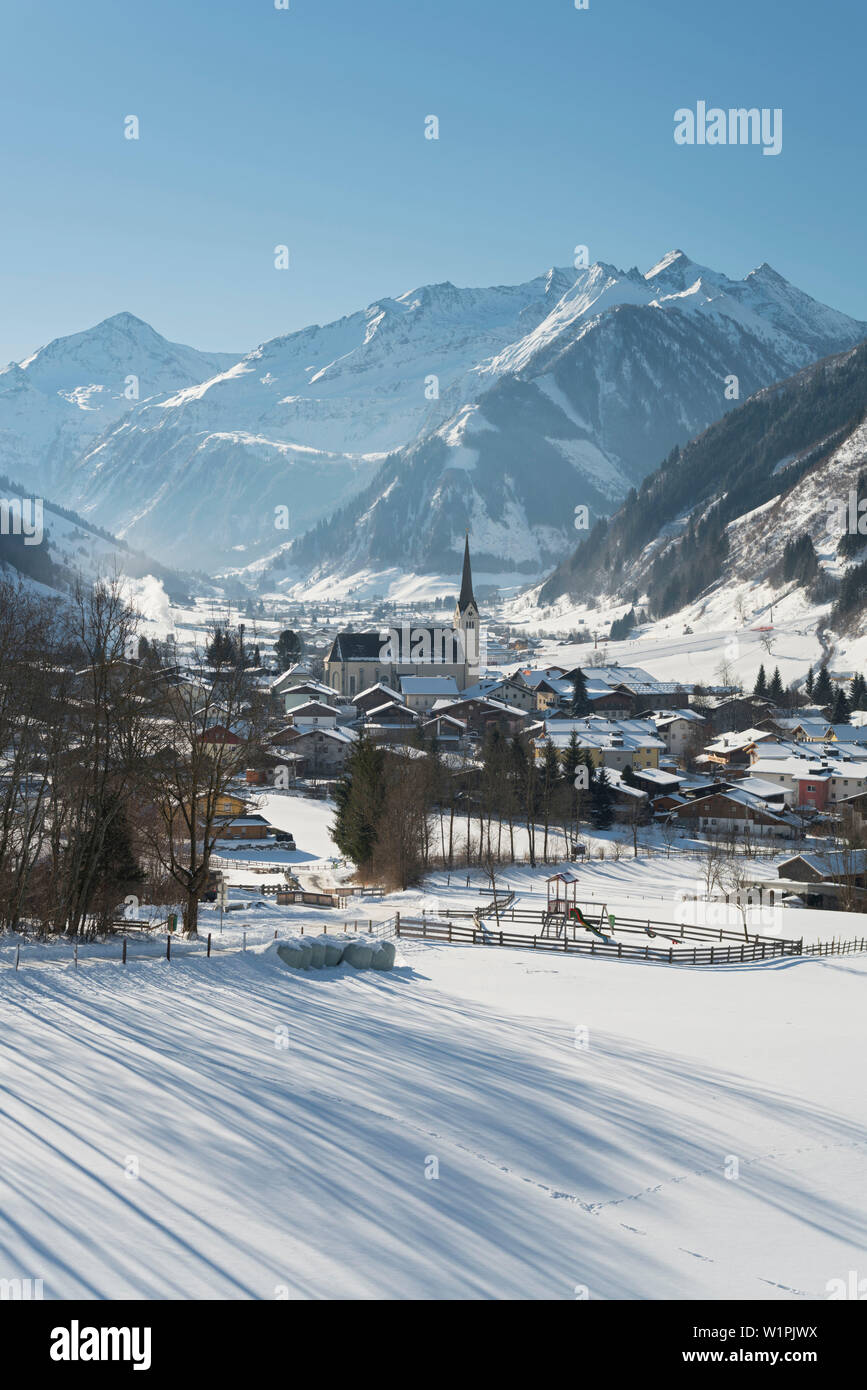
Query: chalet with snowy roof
point(324, 751)
point(357, 660)
point(314, 714)
point(391, 722)
point(510, 689)
point(736, 812)
point(611, 743)
point(729, 713)
point(447, 729)
point(679, 729)
point(309, 690)
point(810, 776)
point(375, 695)
point(250, 826)
point(217, 738)
point(421, 692)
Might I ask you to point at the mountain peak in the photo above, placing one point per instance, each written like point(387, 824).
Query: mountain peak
point(124, 319)
point(676, 257)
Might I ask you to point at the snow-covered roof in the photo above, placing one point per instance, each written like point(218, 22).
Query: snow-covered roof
point(731, 742)
point(658, 777)
point(429, 685)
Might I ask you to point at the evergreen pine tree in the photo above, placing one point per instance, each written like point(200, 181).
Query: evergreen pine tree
point(808, 684)
point(359, 797)
point(823, 690)
point(775, 689)
point(571, 757)
point(601, 812)
point(761, 685)
point(580, 704)
point(287, 649)
point(840, 713)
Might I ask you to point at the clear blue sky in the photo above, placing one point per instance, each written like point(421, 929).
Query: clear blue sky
point(306, 127)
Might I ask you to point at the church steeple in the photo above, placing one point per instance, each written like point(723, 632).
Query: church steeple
point(466, 597)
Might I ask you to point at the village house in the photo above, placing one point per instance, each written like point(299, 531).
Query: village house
point(480, 714)
point(812, 775)
point(323, 750)
point(611, 743)
point(313, 714)
point(249, 826)
point(679, 729)
point(422, 692)
point(735, 812)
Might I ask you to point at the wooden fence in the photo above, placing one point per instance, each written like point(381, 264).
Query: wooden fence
point(631, 926)
point(768, 948)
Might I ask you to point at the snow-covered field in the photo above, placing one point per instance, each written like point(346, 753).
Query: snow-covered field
point(477, 1123)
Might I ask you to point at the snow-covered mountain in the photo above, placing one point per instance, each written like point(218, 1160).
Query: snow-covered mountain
point(764, 502)
point(55, 402)
point(49, 548)
point(375, 440)
point(301, 423)
point(585, 404)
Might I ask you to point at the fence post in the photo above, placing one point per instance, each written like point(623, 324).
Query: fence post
point(124, 951)
point(209, 944)
point(17, 954)
point(76, 955)
point(168, 946)
point(397, 924)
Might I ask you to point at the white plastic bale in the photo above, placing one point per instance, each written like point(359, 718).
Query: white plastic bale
point(317, 953)
point(383, 956)
point(306, 950)
point(291, 955)
point(333, 949)
point(358, 954)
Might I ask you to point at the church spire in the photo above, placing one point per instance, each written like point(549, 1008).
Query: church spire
point(467, 597)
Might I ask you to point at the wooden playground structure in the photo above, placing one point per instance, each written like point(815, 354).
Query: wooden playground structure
point(564, 911)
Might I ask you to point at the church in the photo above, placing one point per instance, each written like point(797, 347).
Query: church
point(358, 660)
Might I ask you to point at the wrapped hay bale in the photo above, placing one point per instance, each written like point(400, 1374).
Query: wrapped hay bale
point(302, 944)
point(383, 956)
point(291, 955)
point(358, 954)
point(333, 948)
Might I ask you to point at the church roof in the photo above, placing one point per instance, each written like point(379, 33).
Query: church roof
point(466, 596)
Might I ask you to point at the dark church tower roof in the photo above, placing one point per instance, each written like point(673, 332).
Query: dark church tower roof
point(467, 597)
